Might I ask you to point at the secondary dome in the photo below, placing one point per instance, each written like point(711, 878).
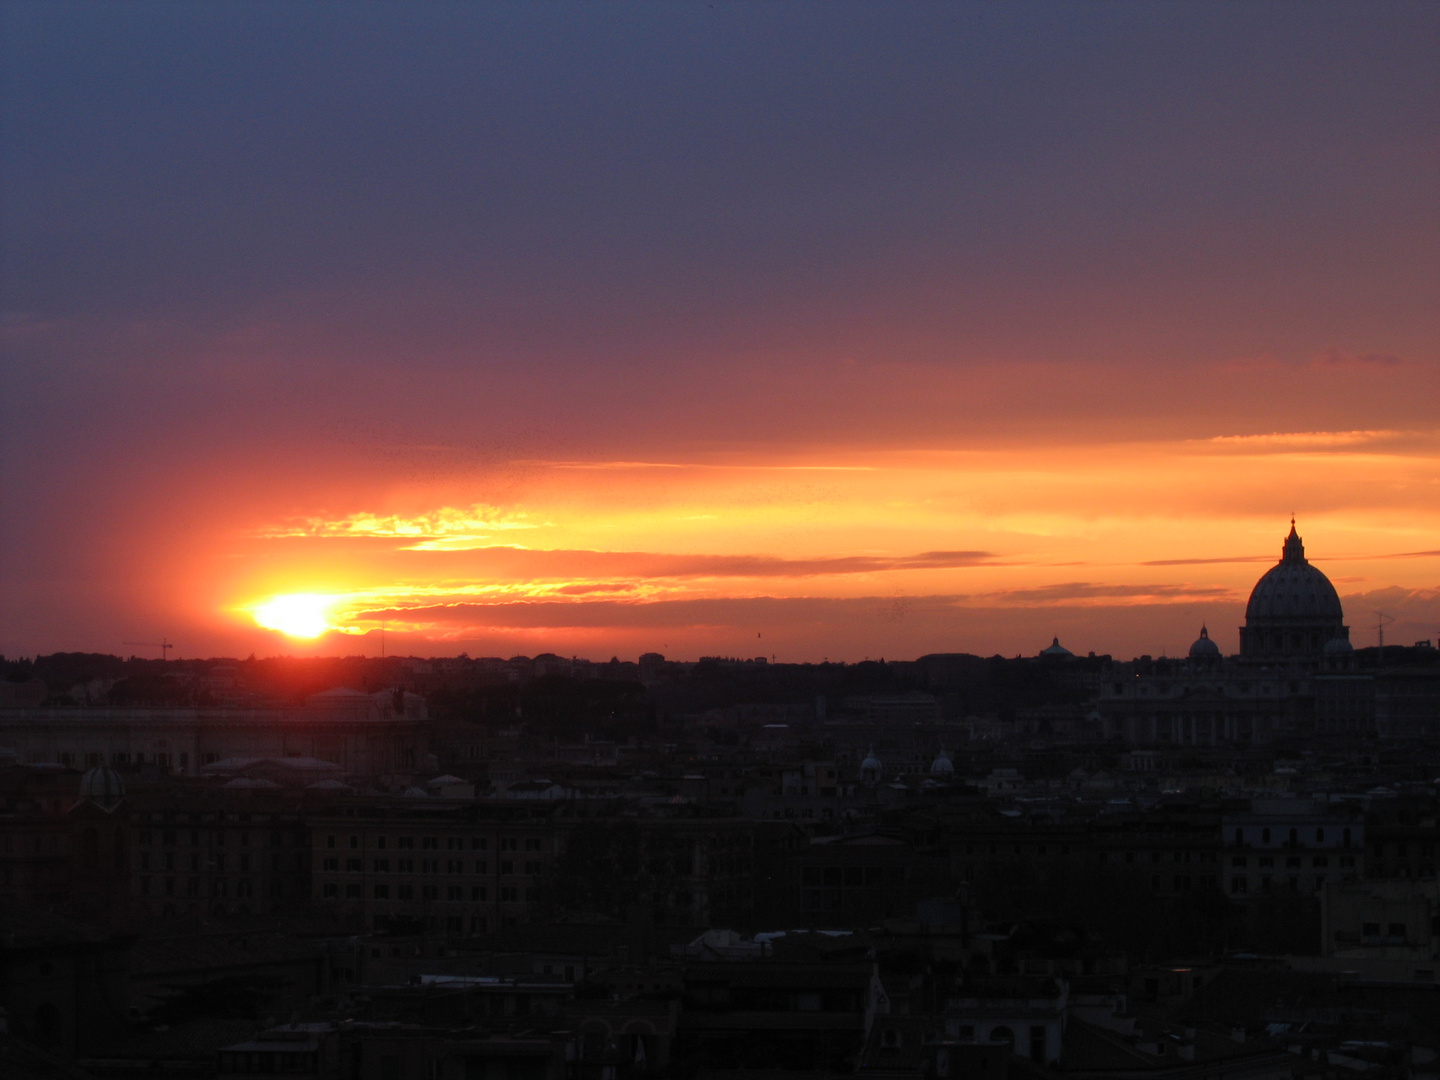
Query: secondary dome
point(942, 765)
point(103, 787)
point(1339, 647)
point(1204, 648)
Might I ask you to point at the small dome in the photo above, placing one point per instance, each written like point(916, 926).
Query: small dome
point(942, 766)
point(416, 793)
point(1204, 648)
point(1339, 646)
point(1057, 650)
point(871, 764)
point(102, 786)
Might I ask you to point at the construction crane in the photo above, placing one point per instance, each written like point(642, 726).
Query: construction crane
point(164, 645)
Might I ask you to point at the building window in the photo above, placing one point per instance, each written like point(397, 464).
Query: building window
point(1037, 1042)
point(352, 892)
point(329, 890)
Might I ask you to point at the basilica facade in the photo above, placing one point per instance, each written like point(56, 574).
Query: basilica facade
point(1294, 675)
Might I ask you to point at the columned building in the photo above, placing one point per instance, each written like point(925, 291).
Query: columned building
point(1294, 674)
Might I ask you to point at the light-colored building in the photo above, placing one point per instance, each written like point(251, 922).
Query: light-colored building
point(368, 735)
point(1393, 919)
point(1293, 844)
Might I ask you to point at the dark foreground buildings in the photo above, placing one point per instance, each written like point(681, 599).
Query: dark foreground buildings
point(546, 868)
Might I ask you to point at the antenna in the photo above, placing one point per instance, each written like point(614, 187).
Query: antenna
point(1381, 621)
point(164, 645)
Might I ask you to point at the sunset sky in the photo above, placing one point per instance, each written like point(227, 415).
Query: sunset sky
point(807, 330)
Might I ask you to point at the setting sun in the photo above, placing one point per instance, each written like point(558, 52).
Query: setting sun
point(302, 615)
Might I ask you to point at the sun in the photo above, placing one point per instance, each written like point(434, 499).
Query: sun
point(302, 615)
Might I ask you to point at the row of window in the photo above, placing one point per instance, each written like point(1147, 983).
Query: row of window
point(1292, 861)
point(1292, 837)
point(171, 838)
point(169, 861)
point(531, 867)
point(1267, 883)
point(1162, 856)
point(1164, 688)
point(242, 887)
point(432, 843)
point(477, 894)
point(852, 876)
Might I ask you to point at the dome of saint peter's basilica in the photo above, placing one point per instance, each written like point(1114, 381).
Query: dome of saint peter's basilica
point(1294, 611)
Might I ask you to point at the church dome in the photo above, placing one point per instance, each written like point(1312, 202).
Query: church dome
point(1056, 651)
point(1293, 589)
point(870, 765)
point(942, 766)
point(1204, 648)
point(1339, 646)
point(1293, 611)
point(102, 786)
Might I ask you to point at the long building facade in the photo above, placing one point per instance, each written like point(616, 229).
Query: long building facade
point(1294, 675)
point(370, 736)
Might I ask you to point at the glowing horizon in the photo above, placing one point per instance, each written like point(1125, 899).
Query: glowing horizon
point(708, 553)
point(836, 331)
